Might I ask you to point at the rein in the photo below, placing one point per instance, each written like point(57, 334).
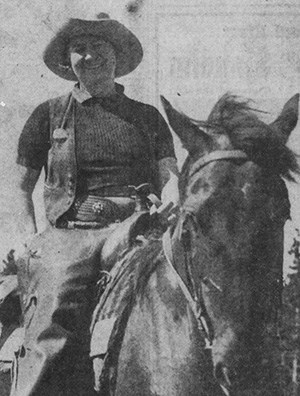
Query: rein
point(197, 306)
point(196, 303)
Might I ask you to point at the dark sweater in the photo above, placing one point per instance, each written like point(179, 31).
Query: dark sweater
point(112, 144)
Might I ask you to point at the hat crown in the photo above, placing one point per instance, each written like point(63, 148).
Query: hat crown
point(128, 48)
point(103, 15)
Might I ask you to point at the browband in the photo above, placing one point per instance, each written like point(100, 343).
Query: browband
point(217, 156)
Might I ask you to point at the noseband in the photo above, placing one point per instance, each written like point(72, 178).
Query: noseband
point(197, 303)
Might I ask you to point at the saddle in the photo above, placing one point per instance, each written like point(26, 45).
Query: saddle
point(118, 283)
point(139, 223)
point(113, 269)
point(124, 237)
point(113, 310)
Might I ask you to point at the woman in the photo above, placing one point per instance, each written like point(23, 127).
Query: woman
point(93, 144)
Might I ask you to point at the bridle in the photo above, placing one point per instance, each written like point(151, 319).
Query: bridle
point(216, 155)
point(194, 297)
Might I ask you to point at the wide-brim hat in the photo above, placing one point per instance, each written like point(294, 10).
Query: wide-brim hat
point(128, 48)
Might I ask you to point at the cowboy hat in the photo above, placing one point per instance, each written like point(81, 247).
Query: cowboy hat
point(127, 47)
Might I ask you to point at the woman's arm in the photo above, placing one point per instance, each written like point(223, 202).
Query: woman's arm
point(166, 167)
point(26, 181)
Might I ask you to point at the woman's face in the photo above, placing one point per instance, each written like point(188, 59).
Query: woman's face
point(92, 58)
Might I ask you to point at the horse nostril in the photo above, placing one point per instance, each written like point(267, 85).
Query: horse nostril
point(223, 376)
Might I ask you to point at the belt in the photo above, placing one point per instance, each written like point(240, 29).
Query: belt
point(96, 211)
point(94, 208)
point(83, 225)
point(114, 191)
point(119, 191)
point(92, 211)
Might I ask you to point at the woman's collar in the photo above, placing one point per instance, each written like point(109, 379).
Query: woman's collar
point(82, 95)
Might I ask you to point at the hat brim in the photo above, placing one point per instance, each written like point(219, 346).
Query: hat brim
point(128, 49)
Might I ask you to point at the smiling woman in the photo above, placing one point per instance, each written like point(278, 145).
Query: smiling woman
point(93, 61)
point(94, 143)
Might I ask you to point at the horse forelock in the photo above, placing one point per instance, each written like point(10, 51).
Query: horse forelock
point(230, 107)
point(261, 142)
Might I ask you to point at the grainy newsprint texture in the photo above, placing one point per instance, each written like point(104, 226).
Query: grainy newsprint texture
point(194, 52)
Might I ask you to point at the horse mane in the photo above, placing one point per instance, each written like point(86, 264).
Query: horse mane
point(263, 144)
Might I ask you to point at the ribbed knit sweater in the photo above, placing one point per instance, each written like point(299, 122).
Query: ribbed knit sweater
point(109, 149)
point(112, 137)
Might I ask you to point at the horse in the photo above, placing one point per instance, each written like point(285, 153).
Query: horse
point(10, 318)
point(191, 310)
point(197, 308)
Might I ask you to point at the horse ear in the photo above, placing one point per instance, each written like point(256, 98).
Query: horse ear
point(288, 118)
point(192, 138)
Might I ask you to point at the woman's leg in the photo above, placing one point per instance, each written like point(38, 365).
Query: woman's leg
point(58, 279)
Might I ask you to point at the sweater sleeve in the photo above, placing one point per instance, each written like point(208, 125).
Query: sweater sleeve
point(34, 141)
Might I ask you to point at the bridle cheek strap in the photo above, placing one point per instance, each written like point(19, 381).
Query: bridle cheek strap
point(217, 156)
point(167, 247)
point(194, 304)
point(197, 306)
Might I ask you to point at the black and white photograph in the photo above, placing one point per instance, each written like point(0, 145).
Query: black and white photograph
point(150, 198)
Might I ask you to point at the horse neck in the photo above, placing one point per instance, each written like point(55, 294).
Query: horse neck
point(162, 347)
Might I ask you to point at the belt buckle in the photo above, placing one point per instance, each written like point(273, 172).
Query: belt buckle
point(98, 208)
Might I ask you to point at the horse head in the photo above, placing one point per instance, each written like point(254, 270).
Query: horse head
point(234, 204)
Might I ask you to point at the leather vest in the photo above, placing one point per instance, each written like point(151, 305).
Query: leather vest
point(61, 172)
point(60, 184)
